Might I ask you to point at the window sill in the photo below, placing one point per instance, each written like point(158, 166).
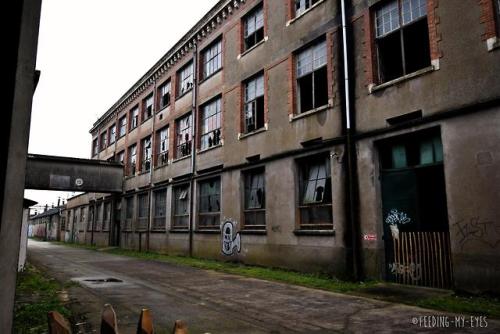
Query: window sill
point(178, 230)
point(265, 39)
point(249, 134)
point(314, 232)
point(374, 88)
point(158, 230)
point(304, 12)
point(146, 119)
point(128, 177)
point(143, 173)
point(211, 75)
point(200, 151)
point(161, 166)
point(309, 112)
point(493, 43)
point(182, 158)
point(254, 232)
point(207, 231)
point(183, 94)
point(162, 108)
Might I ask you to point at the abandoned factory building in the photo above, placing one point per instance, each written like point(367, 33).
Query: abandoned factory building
point(381, 164)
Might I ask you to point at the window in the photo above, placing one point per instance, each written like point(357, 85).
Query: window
point(143, 211)
point(185, 80)
point(82, 215)
point(100, 216)
point(162, 151)
point(209, 204)
point(402, 38)
point(120, 157)
point(254, 104)
point(122, 123)
point(253, 31)
point(146, 154)
point(91, 217)
point(183, 138)
point(63, 224)
point(112, 134)
point(95, 146)
point(129, 212)
point(315, 202)
point(104, 140)
point(302, 5)
point(210, 124)
point(107, 216)
point(255, 199)
point(212, 59)
point(164, 92)
point(147, 108)
point(132, 159)
point(160, 209)
point(181, 207)
point(312, 83)
point(134, 118)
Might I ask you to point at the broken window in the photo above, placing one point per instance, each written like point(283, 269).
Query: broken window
point(129, 212)
point(146, 154)
point(255, 199)
point(107, 216)
point(91, 218)
point(104, 140)
point(122, 123)
point(181, 207)
point(212, 59)
point(164, 91)
point(183, 136)
point(315, 193)
point(185, 81)
point(100, 216)
point(120, 157)
point(160, 209)
point(302, 5)
point(402, 38)
point(254, 104)
point(209, 204)
point(312, 83)
point(147, 108)
point(134, 118)
point(112, 134)
point(132, 159)
point(143, 210)
point(162, 139)
point(95, 146)
point(210, 124)
point(253, 27)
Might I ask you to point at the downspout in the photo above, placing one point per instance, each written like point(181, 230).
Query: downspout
point(352, 236)
point(194, 114)
point(151, 168)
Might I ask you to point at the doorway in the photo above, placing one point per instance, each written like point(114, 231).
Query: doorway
point(415, 216)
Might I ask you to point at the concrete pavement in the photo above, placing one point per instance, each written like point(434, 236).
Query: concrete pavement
point(213, 302)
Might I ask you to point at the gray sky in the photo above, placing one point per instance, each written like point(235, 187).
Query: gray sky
point(90, 52)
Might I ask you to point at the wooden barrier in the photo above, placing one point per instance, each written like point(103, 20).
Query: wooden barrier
point(58, 324)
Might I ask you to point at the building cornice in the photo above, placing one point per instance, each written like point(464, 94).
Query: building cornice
point(201, 30)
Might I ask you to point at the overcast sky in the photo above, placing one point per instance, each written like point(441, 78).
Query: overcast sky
point(90, 52)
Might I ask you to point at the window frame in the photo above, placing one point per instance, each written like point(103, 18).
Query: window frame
point(305, 165)
point(143, 212)
point(129, 212)
point(146, 154)
point(122, 123)
point(162, 155)
point(180, 192)
point(213, 56)
point(134, 118)
point(255, 34)
point(159, 221)
point(201, 212)
point(112, 134)
point(95, 146)
point(254, 101)
point(188, 78)
point(103, 141)
point(121, 157)
point(183, 144)
point(147, 107)
point(248, 178)
point(204, 128)
point(162, 94)
point(309, 4)
point(132, 160)
point(106, 219)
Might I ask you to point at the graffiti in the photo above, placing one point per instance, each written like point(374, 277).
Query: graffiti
point(475, 229)
point(230, 244)
point(397, 218)
point(413, 270)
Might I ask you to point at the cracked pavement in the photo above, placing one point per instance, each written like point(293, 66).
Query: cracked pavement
point(213, 302)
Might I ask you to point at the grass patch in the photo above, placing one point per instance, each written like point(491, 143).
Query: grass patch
point(36, 295)
point(475, 305)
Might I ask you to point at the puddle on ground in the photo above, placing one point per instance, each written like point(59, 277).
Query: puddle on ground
point(98, 282)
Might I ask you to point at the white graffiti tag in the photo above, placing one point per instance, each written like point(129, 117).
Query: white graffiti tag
point(397, 218)
point(413, 270)
point(230, 244)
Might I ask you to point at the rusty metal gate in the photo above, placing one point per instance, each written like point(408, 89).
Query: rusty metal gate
point(422, 258)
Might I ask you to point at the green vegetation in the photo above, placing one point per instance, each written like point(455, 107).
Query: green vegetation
point(476, 305)
point(36, 295)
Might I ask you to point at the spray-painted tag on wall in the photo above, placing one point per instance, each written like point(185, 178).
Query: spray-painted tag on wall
point(230, 243)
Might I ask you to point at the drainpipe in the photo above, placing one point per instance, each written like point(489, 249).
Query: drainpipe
point(151, 168)
point(352, 235)
point(194, 131)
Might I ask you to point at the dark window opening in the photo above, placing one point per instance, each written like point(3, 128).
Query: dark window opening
point(162, 139)
point(129, 212)
point(254, 104)
point(143, 211)
point(146, 154)
point(183, 136)
point(402, 38)
point(132, 159)
point(255, 199)
point(164, 91)
point(160, 209)
point(209, 204)
point(134, 118)
point(123, 126)
point(181, 207)
point(147, 106)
